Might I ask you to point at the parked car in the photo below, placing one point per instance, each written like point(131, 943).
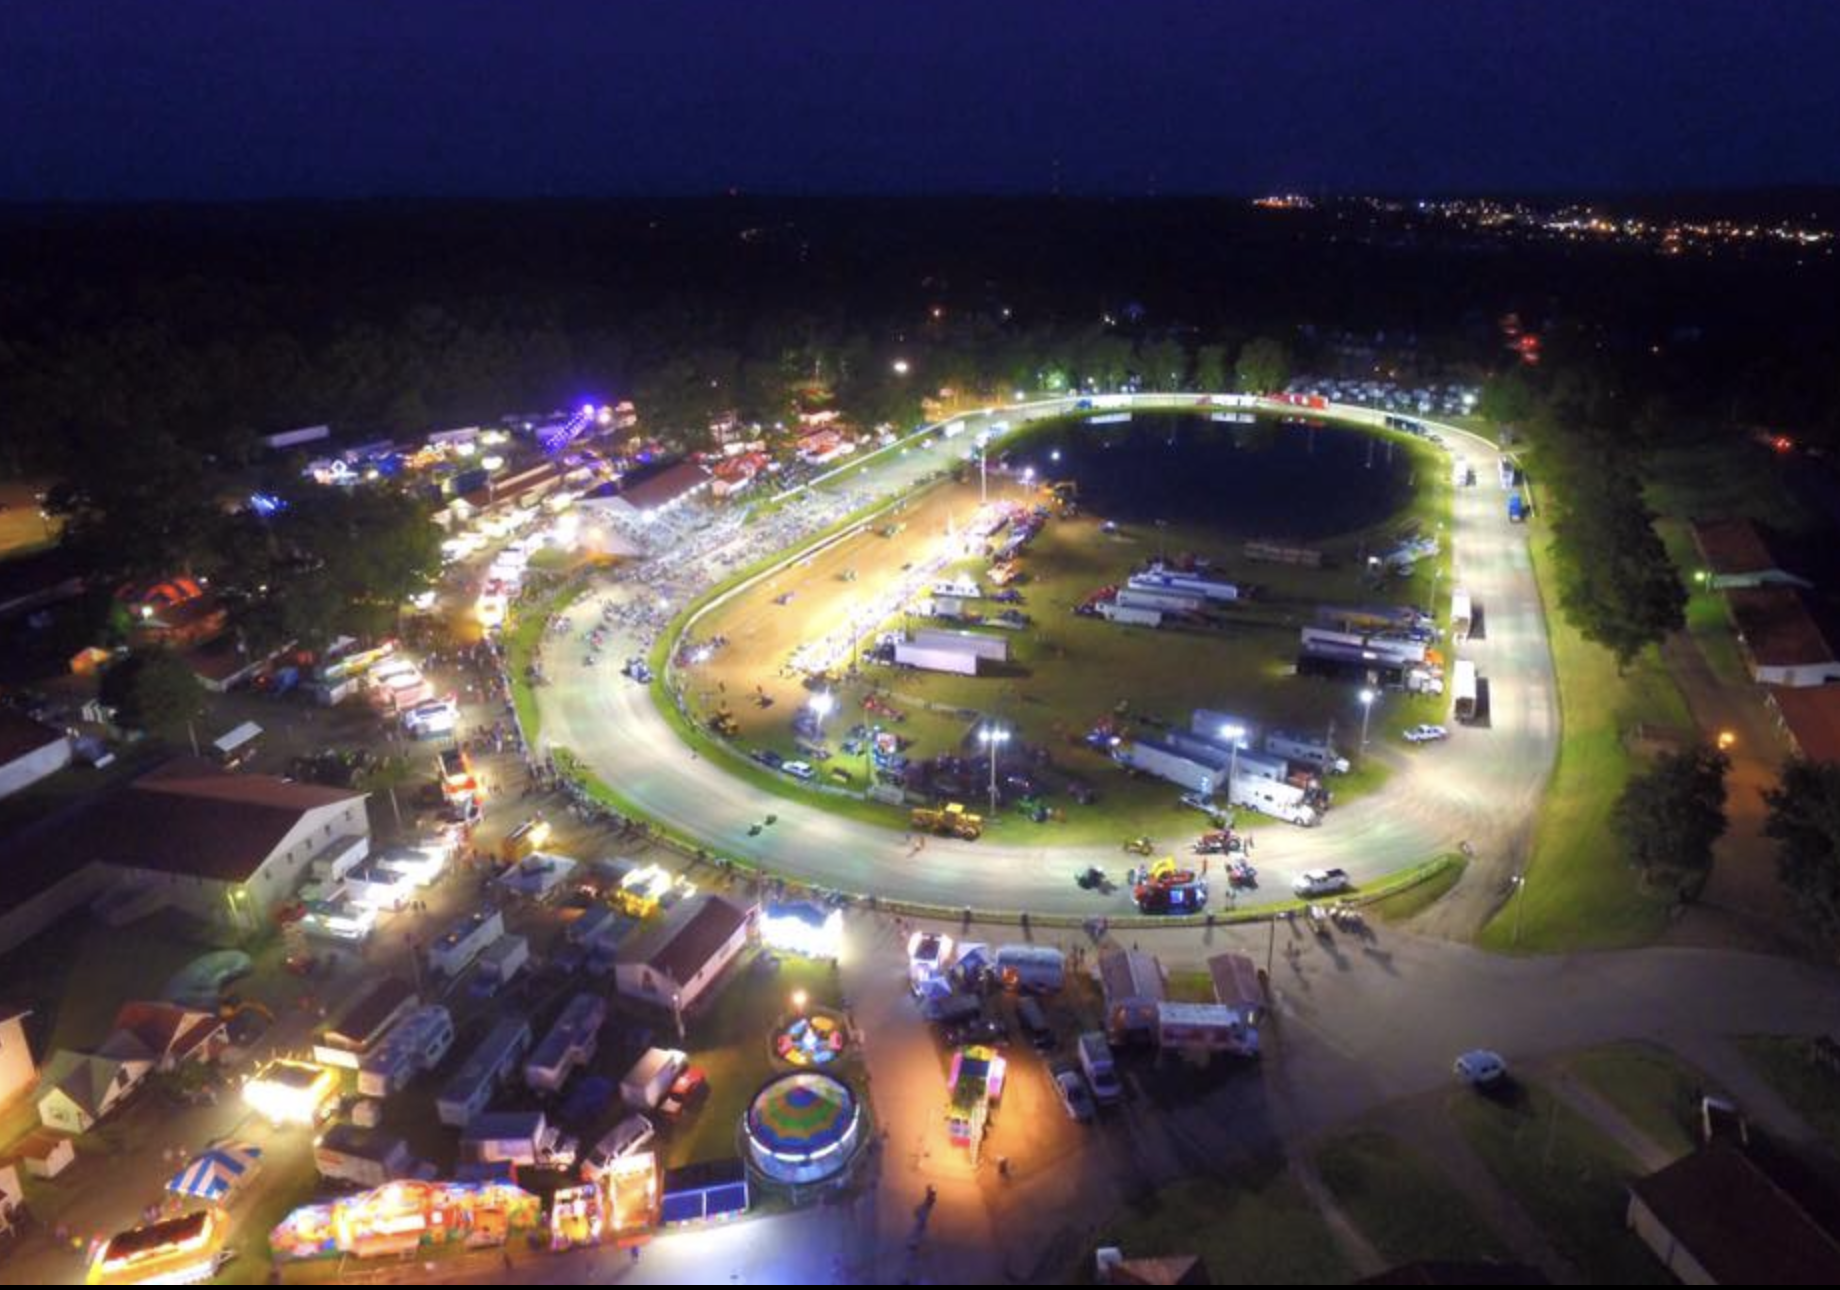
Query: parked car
point(1076, 1099)
point(798, 769)
point(1321, 882)
point(1480, 1067)
point(1426, 734)
point(689, 1091)
point(980, 1030)
point(626, 1137)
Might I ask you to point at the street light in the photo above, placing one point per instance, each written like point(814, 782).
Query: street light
point(993, 737)
point(1367, 707)
point(1520, 891)
point(822, 703)
point(901, 367)
point(799, 999)
point(1726, 739)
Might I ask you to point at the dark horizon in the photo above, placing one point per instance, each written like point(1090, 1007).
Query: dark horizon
point(119, 101)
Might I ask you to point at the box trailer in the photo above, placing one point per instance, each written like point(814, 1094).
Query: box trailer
point(1463, 687)
point(1459, 615)
point(1166, 763)
point(1172, 602)
point(487, 1069)
point(994, 648)
point(366, 1022)
point(1031, 968)
point(933, 658)
point(1129, 615)
point(1311, 750)
point(1156, 579)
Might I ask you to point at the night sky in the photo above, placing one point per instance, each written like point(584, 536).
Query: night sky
point(213, 99)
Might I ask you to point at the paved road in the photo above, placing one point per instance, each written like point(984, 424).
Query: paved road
point(1482, 786)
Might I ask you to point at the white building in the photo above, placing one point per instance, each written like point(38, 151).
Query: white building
point(675, 963)
point(223, 847)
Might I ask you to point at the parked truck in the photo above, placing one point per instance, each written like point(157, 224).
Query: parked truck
point(1517, 508)
point(1463, 685)
point(1459, 615)
point(1128, 615)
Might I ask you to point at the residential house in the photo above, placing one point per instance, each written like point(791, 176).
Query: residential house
point(1716, 1217)
point(167, 1034)
point(1781, 641)
point(77, 1090)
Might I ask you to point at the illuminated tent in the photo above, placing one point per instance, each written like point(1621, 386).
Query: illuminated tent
point(215, 1173)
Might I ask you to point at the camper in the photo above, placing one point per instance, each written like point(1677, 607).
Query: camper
point(1100, 1067)
point(571, 1042)
point(1281, 801)
point(456, 948)
point(417, 1043)
point(1031, 969)
point(487, 1068)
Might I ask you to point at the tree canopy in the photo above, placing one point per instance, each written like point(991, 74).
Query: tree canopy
point(1669, 817)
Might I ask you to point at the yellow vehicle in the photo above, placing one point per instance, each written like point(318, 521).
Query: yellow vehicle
point(1164, 868)
point(1140, 846)
point(952, 821)
point(524, 839)
point(723, 723)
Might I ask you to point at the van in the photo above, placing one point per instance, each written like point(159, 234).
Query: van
point(1101, 1070)
point(1034, 1023)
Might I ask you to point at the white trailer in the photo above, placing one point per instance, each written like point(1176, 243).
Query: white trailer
point(456, 948)
point(487, 1068)
point(994, 648)
point(933, 658)
point(1251, 764)
point(1196, 773)
point(1279, 800)
point(502, 960)
point(1174, 602)
point(1463, 685)
point(418, 1043)
point(644, 1086)
point(1192, 583)
point(1129, 615)
point(571, 1042)
point(1308, 749)
point(1459, 615)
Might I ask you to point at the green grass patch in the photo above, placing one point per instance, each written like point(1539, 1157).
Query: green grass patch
point(1579, 892)
point(1801, 1078)
point(1435, 879)
point(523, 638)
point(1567, 1176)
point(1401, 1202)
point(1254, 1228)
point(1654, 1090)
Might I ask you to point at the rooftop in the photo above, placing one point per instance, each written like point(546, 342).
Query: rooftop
point(1812, 714)
point(20, 735)
point(685, 946)
point(1737, 1223)
point(1732, 547)
point(1777, 627)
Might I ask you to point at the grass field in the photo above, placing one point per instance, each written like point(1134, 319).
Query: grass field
point(1654, 1090)
point(1401, 1203)
point(1566, 1174)
point(1420, 896)
point(1067, 671)
point(1579, 891)
point(1812, 1088)
point(1255, 1227)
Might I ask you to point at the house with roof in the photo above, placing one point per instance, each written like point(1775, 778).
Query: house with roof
point(1810, 718)
point(18, 1072)
point(76, 1090)
point(1734, 553)
point(645, 495)
point(674, 964)
point(167, 1034)
point(226, 848)
point(43, 1153)
point(177, 612)
point(1782, 642)
point(29, 751)
point(1717, 1217)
